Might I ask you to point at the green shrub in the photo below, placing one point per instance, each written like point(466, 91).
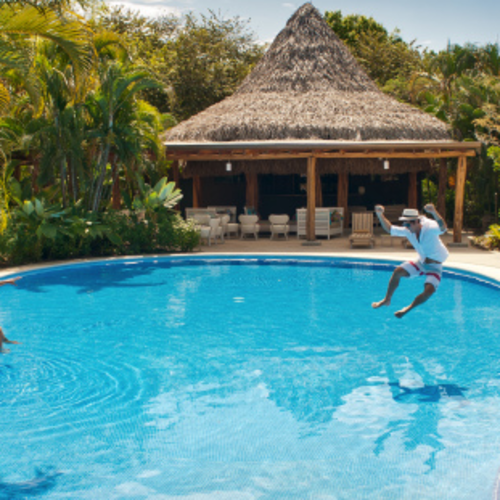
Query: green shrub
point(37, 233)
point(490, 240)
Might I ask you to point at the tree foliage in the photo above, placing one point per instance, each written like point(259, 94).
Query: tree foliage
point(384, 56)
point(84, 100)
point(199, 60)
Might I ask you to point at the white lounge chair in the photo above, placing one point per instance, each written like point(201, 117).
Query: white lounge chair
point(216, 229)
point(328, 221)
point(279, 225)
point(224, 222)
point(202, 222)
point(249, 225)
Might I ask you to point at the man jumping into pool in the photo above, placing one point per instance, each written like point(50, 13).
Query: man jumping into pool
point(423, 234)
point(3, 338)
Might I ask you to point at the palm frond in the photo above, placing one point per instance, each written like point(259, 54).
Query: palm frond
point(4, 98)
point(69, 34)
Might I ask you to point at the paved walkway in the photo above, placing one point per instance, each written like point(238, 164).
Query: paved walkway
point(467, 257)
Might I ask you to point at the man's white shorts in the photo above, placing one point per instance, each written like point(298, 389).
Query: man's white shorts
point(432, 272)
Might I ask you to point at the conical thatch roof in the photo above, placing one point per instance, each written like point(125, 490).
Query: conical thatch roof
point(308, 86)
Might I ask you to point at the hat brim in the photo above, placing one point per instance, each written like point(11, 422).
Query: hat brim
point(410, 218)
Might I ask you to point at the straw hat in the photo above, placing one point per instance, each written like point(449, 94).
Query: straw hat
point(410, 214)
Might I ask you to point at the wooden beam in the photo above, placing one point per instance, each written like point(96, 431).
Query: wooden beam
point(311, 199)
point(228, 155)
point(197, 194)
point(412, 190)
point(459, 199)
point(443, 180)
point(343, 195)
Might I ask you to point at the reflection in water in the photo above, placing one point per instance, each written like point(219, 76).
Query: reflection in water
point(422, 428)
point(40, 484)
point(425, 394)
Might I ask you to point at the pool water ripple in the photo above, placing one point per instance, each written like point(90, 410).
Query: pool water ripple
point(249, 379)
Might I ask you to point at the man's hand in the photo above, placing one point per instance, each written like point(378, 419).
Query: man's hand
point(379, 210)
point(430, 208)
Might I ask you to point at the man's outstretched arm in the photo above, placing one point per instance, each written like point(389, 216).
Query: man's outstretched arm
point(379, 210)
point(431, 210)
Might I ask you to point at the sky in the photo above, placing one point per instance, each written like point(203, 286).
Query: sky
point(432, 23)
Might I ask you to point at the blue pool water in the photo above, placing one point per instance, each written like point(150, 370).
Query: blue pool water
point(240, 379)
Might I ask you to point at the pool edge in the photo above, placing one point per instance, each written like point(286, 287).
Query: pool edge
point(488, 272)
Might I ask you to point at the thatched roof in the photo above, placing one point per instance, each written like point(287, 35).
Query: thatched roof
point(308, 86)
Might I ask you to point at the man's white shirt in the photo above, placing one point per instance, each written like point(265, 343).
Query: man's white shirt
point(429, 245)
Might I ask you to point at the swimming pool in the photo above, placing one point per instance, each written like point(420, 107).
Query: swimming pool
point(248, 378)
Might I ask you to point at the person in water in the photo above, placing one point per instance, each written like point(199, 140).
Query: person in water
point(424, 234)
point(3, 338)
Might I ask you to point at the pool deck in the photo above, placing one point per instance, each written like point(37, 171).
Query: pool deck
point(467, 257)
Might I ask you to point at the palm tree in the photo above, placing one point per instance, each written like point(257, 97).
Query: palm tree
point(112, 109)
point(21, 24)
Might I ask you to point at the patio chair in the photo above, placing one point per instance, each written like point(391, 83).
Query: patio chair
point(216, 230)
point(224, 223)
point(279, 225)
point(249, 225)
point(362, 230)
point(232, 228)
point(202, 222)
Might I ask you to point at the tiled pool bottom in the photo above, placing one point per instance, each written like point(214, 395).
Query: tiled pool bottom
point(254, 378)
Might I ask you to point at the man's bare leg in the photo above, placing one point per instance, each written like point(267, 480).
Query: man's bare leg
point(398, 273)
point(4, 339)
point(419, 299)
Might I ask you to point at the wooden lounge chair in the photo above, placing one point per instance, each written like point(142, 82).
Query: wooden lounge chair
point(362, 230)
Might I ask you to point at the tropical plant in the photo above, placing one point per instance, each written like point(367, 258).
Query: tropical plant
point(163, 194)
point(113, 113)
point(490, 240)
point(19, 23)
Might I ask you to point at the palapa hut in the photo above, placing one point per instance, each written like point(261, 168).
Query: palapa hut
point(309, 108)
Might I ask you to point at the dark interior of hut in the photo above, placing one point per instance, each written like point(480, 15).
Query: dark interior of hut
point(283, 194)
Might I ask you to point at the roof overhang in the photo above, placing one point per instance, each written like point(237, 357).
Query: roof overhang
point(269, 150)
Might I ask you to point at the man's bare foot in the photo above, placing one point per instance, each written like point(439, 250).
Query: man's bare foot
point(402, 312)
point(383, 302)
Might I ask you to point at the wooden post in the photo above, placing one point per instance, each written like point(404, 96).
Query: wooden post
point(196, 191)
point(443, 180)
point(252, 190)
point(319, 191)
point(343, 194)
point(459, 199)
point(175, 174)
point(412, 190)
point(311, 199)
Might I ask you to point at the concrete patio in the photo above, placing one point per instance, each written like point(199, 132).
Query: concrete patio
point(466, 257)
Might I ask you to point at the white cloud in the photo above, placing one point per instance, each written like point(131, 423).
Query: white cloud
point(149, 9)
point(289, 6)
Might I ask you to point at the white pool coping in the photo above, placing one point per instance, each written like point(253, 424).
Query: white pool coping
point(471, 264)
